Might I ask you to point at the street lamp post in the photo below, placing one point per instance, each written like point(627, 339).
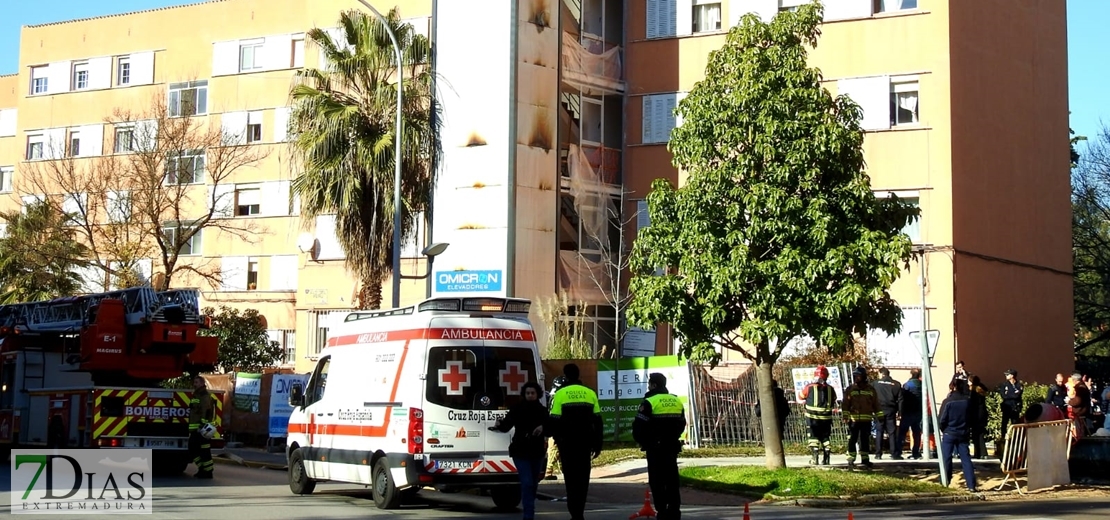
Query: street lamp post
point(396, 159)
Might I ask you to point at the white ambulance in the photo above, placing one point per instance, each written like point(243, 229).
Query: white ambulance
point(401, 400)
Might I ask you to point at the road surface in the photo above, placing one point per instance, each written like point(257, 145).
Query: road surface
point(242, 493)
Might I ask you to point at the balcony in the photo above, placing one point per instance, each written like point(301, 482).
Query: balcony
point(591, 66)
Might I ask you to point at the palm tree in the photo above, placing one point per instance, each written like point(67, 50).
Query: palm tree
point(39, 257)
point(343, 122)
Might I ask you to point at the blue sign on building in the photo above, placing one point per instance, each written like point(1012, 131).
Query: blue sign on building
point(468, 281)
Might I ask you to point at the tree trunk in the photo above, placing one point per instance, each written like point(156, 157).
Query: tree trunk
point(772, 437)
point(370, 296)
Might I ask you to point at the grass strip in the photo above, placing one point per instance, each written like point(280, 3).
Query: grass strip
point(758, 483)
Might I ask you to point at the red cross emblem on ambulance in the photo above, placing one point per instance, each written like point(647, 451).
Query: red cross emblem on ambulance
point(454, 378)
point(512, 377)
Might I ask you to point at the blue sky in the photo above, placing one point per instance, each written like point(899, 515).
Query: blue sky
point(1088, 41)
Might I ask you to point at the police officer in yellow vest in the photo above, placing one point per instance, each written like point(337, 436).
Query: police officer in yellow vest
point(658, 428)
point(575, 423)
point(201, 411)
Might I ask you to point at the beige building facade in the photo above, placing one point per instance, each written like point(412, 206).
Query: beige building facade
point(966, 115)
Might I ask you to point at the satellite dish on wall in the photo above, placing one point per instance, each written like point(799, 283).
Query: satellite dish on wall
point(307, 243)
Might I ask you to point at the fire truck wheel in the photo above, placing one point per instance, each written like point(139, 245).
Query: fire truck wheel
point(299, 483)
point(505, 497)
point(386, 494)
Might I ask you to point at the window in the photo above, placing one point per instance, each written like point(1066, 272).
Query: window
point(460, 377)
point(662, 18)
point(173, 234)
point(6, 174)
point(74, 144)
point(119, 206)
point(658, 117)
point(913, 228)
point(298, 52)
point(791, 5)
point(903, 103)
point(254, 127)
point(250, 54)
point(81, 75)
point(39, 79)
point(185, 168)
point(188, 99)
point(886, 6)
point(252, 274)
point(125, 139)
point(318, 382)
point(247, 201)
point(706, 16)
point(123, 70)
point(35, 144)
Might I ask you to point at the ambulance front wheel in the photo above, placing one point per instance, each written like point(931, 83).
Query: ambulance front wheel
point(299, 483)
point(386, 494)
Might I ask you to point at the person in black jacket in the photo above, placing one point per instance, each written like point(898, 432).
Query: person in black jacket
point(911, 413)
point(956, 418)
point(978, 393)
point(782, 406)
point(1058, 393)
point(528, 447)
point(889, 393)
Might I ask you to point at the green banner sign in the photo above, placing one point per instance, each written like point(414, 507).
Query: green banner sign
point(626, 381)
point(247, 389)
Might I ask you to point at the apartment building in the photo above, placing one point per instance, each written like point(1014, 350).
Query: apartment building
point(233, 71)
point(556, 115)
point(965, 107)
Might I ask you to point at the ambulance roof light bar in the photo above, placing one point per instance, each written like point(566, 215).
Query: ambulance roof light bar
point(497, 305)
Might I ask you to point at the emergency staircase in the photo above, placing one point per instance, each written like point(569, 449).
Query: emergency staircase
point(69, 315)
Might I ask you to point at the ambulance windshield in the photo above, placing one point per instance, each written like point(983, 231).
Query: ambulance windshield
point(478, 378)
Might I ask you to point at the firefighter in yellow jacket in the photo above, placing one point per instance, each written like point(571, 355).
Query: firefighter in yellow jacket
point(201, 413)
point(860, 409)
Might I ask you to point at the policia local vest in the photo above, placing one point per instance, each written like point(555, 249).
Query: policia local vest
point(820, 401)
point(576, 414)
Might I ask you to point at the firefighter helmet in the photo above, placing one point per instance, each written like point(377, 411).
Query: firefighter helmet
point(207, 430)
point(821, 372)
point(558, 383)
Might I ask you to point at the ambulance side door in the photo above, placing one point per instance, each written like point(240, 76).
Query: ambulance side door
point(316, 417)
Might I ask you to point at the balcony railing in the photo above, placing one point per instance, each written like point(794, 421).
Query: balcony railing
point(592, 66)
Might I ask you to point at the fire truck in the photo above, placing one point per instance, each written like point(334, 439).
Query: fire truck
point(85, 372)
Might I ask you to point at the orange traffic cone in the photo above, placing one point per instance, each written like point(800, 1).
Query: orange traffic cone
point(850, 515)
point(746, 517)
point(647, 511)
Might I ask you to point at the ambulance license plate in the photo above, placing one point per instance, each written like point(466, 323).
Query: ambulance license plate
point(455, 464)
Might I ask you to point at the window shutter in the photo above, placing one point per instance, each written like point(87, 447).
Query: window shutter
point(233, 273)
point(221, 200)
point(652, 18)
point(847, 9)
point(100, 73)
point(873, 96)
point(684, 17)
point(59, 74)
point(142, 68)
point(765, 9)
point(283, 273)
point(225, 58)
point(281, 123)
point(8, 118)
point(329, 243)
point(145, 136)
point(234, 126)
point(277, 52)
point(275, 199)
point(54, 145)
point(648, 120)
point(92, 140)
point(119, 206)
point(643, 219)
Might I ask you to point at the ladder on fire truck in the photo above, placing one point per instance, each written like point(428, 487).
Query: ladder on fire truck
point(70, 314)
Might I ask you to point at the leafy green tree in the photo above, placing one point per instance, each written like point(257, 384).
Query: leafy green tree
point(343, 119)
point(244, 344)
point(39, 257)
point(1091, 248)
point(776, 234)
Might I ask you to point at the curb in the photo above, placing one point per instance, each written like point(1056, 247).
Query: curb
point(874, 500)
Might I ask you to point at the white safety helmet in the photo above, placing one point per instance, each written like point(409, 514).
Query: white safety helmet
point(207, 430)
